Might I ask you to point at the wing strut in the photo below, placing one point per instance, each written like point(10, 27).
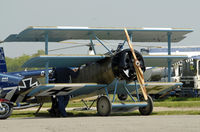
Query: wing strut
point(137, 67)
point(47, 63)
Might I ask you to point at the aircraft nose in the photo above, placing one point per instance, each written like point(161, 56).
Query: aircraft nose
point(122, 65)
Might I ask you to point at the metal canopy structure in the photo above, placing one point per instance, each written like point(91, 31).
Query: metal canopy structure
point(61, 33)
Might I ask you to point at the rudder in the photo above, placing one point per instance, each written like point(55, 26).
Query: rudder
point(3, 67)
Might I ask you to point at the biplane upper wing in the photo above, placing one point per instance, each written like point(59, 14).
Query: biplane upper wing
point(162, 60)
point(61, 33)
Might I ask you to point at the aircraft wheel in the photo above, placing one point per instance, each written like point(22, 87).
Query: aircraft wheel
point(104, 106)
point(6, 110)
point(122, 97)
point(148, 109)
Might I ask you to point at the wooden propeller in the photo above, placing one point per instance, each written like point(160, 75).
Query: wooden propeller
point(139, 72)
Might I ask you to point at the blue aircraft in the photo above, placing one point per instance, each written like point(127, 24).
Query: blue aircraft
point(118, 71)
point(14, 83)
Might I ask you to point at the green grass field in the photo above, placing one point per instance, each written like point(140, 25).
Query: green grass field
point(171, 102)
point(178, 102)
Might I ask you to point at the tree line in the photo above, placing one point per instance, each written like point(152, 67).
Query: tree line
point(15, 64)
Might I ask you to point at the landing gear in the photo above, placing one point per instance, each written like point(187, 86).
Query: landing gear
point(104, 106)
point(5, 110)
point(147, 110)
point(122, 97)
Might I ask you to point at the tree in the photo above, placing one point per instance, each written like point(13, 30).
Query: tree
point(14, 64)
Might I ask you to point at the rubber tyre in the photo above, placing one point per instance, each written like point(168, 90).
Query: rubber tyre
point(122, 97)
point(148, 109)
point(8, 111)
point(104, 106)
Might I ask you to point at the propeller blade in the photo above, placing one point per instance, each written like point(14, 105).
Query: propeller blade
point(137, 67)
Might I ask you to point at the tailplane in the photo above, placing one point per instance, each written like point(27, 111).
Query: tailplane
point(3, 67)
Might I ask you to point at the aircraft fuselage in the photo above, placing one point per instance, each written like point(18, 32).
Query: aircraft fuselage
point(119, 65)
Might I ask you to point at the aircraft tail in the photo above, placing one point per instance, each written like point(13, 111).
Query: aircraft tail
point(3, 67)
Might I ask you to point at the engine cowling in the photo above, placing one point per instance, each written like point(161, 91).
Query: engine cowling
point(122, 65)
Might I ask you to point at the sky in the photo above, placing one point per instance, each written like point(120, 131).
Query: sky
point(16, 15)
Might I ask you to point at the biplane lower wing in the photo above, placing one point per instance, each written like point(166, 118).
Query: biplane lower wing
point(158, 87)
point(74, 89)
point(84, 90)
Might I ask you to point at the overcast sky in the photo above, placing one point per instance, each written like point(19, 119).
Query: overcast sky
point(16, 15)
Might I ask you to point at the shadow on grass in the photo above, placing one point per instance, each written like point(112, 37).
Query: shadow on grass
point(45, 114)
point(134, 113)
point(75, 114)
point(90, 114)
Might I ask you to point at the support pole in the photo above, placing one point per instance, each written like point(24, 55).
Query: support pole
point(116, 84)
point(131, 37)
point(169, 53)
point(92, 44)
point(123, 43)
point(102, 44)
point(137, 91)
point(128, 91)
point(39, 108)
point(106, 90)
point(47, 73)
point(47, 63)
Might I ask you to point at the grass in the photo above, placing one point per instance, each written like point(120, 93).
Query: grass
point(45, 114)
point(189, 112)
point(177, 104)
point(23, 114)
point(179, 99)
point(171, 102)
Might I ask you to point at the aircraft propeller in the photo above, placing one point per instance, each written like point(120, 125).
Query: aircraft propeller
point(136, 64)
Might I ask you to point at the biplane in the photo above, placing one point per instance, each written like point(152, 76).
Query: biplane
point(115, 72)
